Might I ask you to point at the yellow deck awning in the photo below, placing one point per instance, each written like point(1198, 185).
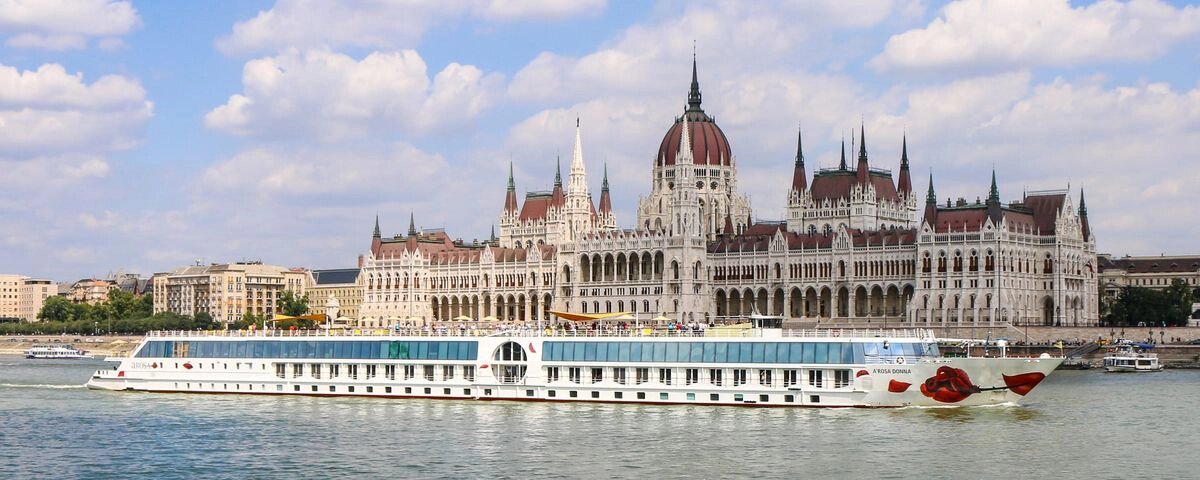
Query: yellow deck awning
point(587, 317)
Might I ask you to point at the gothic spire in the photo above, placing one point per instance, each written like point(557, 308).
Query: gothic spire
point(904, 183)
point(605, 199)
point(377, 234)
point(994, 193)
point(931, 204)
point(930, 197)
point(412, 225)
point(1083, 220)
point(799, 177)
point(863, 174)
point(842, 166)
point(557, 171)
point(993, 201)
point(510, 197)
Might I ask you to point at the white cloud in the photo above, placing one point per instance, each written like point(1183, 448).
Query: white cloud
point(332, 96)
point(49, 111)
point(309, 24)
point(297, 172)
point(64, 24)
point(1001, 34)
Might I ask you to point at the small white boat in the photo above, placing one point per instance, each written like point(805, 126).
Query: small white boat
point(1131, 357)
point(56, 352)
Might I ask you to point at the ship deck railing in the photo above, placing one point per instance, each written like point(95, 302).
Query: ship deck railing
point(914, 333)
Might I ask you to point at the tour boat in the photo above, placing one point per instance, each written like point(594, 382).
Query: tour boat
point(55, 352)
point(738, 365)
point(1131, 357)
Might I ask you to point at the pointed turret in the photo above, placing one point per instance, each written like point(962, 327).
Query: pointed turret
point(510, 197)
point(493, 238)
point(904, 183)
point(556, 196)
point(842, 165)
point(412, 225)
point(993, 202)
point(1083, 219)
point(605, 201)
point(799, 177)
point(728, 225)
point(931, 204)
point(376, 238)
point(863, 174)
point(694, 91)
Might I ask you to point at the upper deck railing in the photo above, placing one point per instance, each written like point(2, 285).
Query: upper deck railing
point(909, 333)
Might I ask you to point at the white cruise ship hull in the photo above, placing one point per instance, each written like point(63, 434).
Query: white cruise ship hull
point(754, 371)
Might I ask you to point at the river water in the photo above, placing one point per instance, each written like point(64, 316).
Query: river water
point(1075, 425)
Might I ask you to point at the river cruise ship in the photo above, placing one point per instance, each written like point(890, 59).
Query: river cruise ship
point(717, 366)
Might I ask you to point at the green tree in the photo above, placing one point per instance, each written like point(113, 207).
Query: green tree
point(204, 318)
point(292, 305)
point(56, 309)
point(121, 304)
point(144, 306)
point(1143, 306)
point(1178, 299)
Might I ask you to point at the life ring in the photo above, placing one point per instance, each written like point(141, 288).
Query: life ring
point(837, 333)
point(899, 360)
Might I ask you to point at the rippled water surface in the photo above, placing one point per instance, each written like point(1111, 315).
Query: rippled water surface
point(1075, 424)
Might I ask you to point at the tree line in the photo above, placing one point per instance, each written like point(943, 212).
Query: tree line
point(1141, 306)
point(124, 313)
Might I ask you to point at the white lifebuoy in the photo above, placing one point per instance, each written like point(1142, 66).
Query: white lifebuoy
point(899, 360)
point(837, 333)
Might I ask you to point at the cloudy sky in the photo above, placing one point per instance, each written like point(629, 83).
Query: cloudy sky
point(146, 135)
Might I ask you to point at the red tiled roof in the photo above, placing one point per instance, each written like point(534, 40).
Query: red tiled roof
point(535, 207)
point(1045, 210)
point(1180, 264)
point(757, 238)
point(833, 185)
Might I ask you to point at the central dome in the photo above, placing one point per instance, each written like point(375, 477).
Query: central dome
point(709, 145)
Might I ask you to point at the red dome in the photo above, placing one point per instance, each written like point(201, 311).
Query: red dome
point(709, 145)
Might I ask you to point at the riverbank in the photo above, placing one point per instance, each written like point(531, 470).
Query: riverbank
point(98, 346)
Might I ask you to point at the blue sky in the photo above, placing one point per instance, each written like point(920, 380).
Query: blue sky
point(146, 135)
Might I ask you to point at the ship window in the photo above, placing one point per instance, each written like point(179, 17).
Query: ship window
point(595, 394)
point(714, 397)
point(641, 395)
point(789, 398)
point(573, 394)
point(387, 389)
point(551, 393)
point(428, 390)
point(618, 395)
point(764, 398)
point(737, 397)
point(664, 396)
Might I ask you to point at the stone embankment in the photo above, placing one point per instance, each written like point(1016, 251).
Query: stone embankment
point(98, 346)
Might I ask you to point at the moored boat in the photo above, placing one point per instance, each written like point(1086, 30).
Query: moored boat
point(721, 366)
point(55, 352)
point(1131, 357)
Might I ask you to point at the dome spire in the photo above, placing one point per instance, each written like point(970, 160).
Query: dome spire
point(694, 92)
